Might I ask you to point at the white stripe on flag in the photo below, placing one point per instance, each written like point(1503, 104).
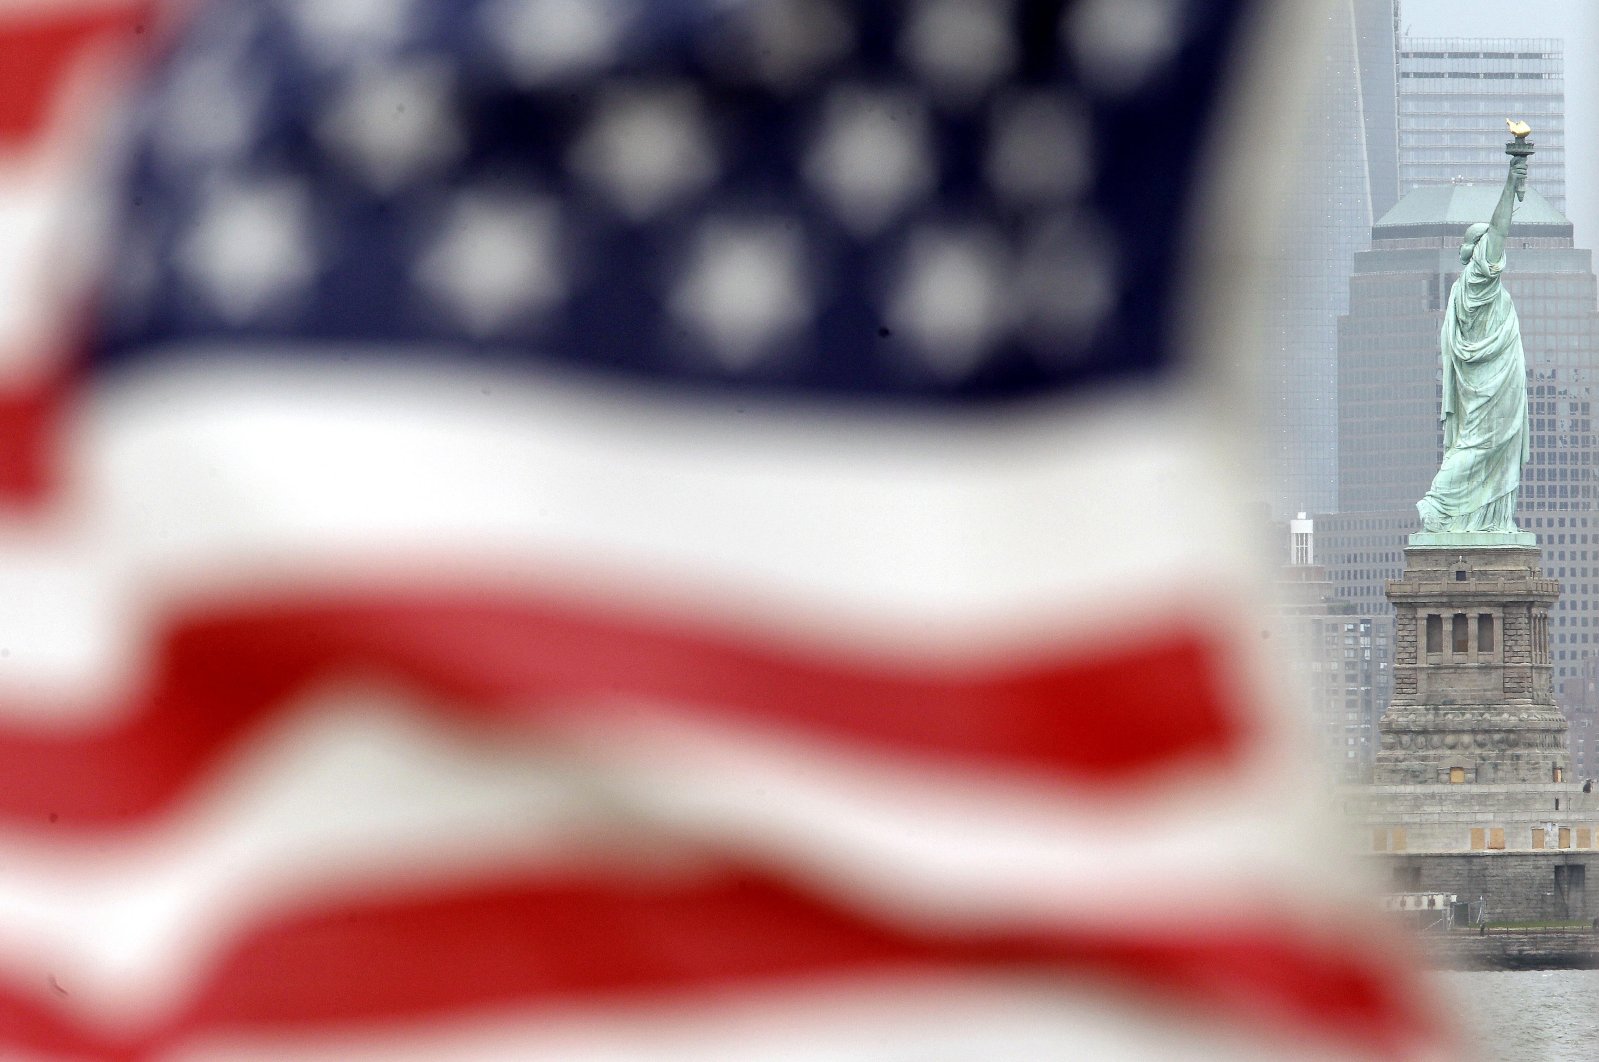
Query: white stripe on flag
point(941, 541)
point(355, 794)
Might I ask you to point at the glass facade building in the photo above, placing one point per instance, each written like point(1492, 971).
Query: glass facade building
point(1346, 177)
point(1454, 97)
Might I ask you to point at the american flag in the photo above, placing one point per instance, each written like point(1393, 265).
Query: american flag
point(599, 529)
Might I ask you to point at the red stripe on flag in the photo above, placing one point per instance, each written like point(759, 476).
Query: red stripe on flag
point(1088, 714)
point(38, 49)
point(31, 423)
point(611, 942)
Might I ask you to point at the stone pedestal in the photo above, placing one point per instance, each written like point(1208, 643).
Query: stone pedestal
point(1473, 693)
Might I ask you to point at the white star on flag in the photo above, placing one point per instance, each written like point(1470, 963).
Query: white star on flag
point(250, 250)
point(647, 146)
point(872, 159)
point(1121, 43)
point(960, 47)
point(744, 288)
point(951, 301)
point(393, 123)
point(495, 259)
point(545, 40)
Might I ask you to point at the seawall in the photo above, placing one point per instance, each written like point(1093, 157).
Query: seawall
point(1513, 949)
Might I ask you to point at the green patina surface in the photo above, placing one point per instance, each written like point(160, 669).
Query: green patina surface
point(1484, 368)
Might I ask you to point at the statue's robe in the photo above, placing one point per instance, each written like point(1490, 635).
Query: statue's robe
point(1484, 405)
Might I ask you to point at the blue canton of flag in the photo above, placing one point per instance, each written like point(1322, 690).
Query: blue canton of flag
point(937, 201)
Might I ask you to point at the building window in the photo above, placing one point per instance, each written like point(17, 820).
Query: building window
point(1485, 633)
point(1460, 634)
point(1435, 634)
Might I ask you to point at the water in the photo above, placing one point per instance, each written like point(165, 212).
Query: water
point(1530, 1016)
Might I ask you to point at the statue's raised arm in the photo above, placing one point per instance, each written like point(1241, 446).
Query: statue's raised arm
point(1499, 225)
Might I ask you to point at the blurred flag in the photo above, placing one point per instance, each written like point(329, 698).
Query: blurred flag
point(597, 529)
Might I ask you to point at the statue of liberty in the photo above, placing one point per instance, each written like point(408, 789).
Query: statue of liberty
point(1484, 381)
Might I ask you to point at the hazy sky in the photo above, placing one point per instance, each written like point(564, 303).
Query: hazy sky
point(1577, 21)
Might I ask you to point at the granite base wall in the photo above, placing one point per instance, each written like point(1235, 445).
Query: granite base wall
point(1441, 818)
point(1518, 886)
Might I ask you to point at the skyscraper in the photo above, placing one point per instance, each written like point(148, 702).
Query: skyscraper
point(1347, 176)
point(1454, 94)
